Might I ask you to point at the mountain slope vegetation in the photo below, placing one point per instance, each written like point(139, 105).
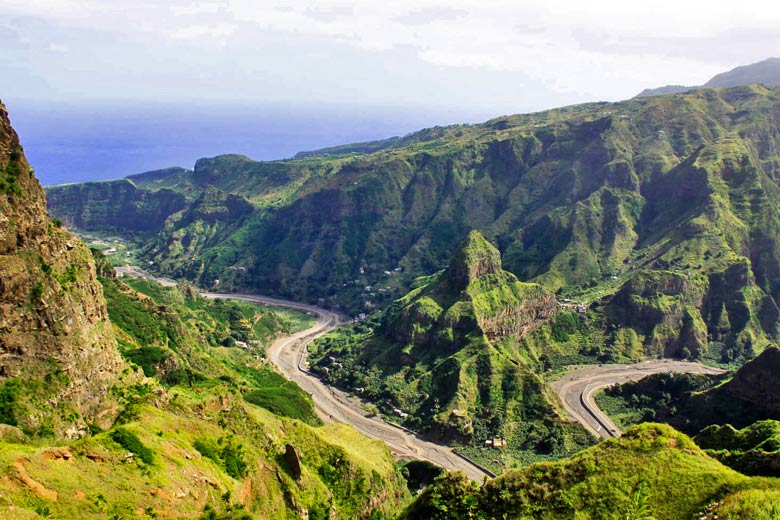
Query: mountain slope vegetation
point(447, 359)
point(652, 471)
point(656, 213)
point(692, 403)
point(131, 400)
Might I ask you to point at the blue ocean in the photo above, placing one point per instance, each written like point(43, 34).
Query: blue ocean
point(76, 142)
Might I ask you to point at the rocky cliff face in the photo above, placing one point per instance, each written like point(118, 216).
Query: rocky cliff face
point(114, 205)
point(55, 336)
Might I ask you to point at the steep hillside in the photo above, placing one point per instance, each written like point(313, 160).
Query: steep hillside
point(203, 453)
point(446, 358)
point(659, 210)
point(183, 339)
point(650, 472)
point(753, 450)
point(58, 355)
point(212, 431)
point(113, 205)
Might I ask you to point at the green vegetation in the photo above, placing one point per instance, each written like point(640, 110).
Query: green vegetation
point(9, 174)
point(287, 400)
point(650, 472)
point(9, 391)
point(445, 360)
point(130, 441)
point(226, 452)
point(693, 402)
point(753, 450)
point(185, 340)
point(655, 396)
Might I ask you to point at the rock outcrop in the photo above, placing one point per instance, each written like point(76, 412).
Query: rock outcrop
point(472, 296)
point(54, 331)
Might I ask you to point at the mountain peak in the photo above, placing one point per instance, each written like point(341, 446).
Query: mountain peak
point(475, 257)
point(766, 72)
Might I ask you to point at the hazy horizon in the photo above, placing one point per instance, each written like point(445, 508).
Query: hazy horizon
point(82, 141)
point(371, 70)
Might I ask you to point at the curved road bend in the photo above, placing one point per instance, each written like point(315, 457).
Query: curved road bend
point(333, 405)
point(577, 387)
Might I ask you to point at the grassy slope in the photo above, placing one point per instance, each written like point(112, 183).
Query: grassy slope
point(677, 479)
point(183, 339)
point(211, 388)
point(98, 480)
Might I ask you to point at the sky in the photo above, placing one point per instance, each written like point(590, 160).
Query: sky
point(475, 56)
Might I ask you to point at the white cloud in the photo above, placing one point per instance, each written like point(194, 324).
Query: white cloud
point(219, 32)
point(605, 49)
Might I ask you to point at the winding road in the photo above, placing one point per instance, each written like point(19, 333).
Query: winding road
point(333, 405)
point(576, 388)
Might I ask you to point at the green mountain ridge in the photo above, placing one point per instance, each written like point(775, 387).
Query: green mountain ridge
point(447, 357)
point(650, 472)
point(660, 204)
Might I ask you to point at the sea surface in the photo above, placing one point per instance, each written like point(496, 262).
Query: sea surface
point(76, 142)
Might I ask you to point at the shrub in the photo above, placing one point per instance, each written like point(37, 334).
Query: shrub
point(226, 453)
point(9, 392)
point(130, 441)
point(147, 358)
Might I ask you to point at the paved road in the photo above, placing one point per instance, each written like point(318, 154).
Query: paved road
point(333, 405)
point(577, 387)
